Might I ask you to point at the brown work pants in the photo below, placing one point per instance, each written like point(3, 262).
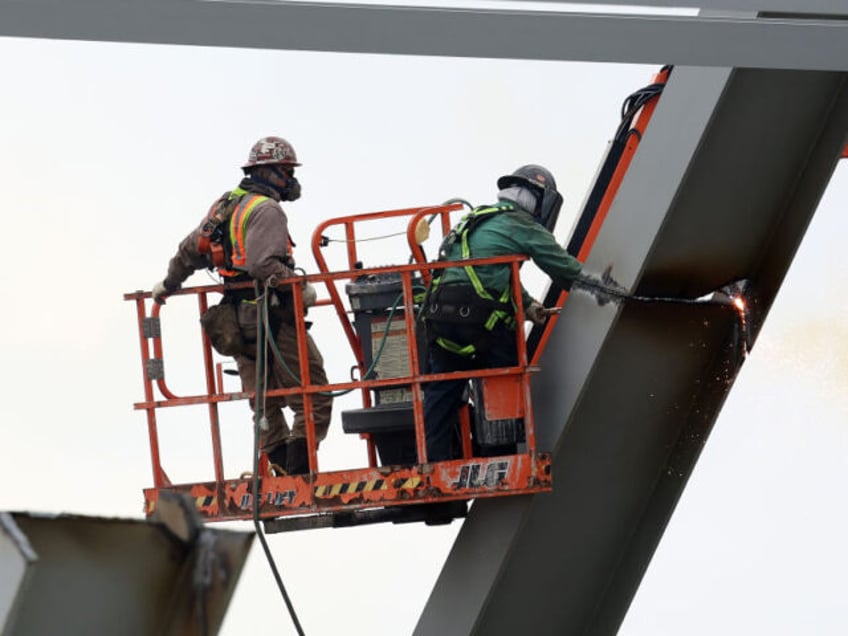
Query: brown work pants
point(278, 377)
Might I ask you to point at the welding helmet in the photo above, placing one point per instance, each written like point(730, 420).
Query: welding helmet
point(542, 184)
point(271, 151)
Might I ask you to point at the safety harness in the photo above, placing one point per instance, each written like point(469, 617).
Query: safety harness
point(222, 240)
point(469, 303)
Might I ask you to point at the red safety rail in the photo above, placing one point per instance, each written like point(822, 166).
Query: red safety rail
point(352, 237)
point(350, 225)
point(319, 493)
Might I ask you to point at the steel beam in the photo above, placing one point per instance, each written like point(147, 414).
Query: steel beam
point(723, 186)
point(820, 7)
point(88, 575)
point(785, 43)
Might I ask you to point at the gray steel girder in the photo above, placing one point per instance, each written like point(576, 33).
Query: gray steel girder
point(95, 575)
point(822, 7)
point(783, 42)
point(723, 187)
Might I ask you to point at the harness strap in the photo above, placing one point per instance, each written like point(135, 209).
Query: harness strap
point(450, 345)
point(471, 302)
point(458, 302)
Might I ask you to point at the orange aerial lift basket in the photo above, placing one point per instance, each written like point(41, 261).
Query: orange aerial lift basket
point(377, 314)
point(390, 422)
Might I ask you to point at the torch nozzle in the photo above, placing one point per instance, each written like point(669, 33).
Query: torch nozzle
point(731, 295)
point(734, 295)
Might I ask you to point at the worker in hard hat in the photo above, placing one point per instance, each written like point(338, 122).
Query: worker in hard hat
point(245, 238)
point(469, 311)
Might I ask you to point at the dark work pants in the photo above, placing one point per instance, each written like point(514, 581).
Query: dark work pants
point(443, 399)
point(279, 378)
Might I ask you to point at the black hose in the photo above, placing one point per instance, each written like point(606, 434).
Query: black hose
point(278, 355)
point(259, 415)
point(720, 298)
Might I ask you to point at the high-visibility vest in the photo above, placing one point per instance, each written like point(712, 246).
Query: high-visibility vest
point(223, 236)
point(236, 231)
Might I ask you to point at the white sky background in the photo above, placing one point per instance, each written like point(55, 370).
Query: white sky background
point(110, 154)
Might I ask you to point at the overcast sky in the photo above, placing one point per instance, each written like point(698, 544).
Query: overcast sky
point(111, 154)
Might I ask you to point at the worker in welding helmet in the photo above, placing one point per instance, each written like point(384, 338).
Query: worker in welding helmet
point(469, 311)
point(533, 189)
point(244, 238)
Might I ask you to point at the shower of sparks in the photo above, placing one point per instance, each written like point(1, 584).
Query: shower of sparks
point(742, 311)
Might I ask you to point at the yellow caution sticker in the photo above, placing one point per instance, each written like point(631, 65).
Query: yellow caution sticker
point(204, 502)
point(333, 490)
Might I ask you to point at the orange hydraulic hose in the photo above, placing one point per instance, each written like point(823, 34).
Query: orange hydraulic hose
point(636, 132)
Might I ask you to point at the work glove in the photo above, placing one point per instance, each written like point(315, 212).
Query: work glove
point(310, 296)
point(276, 280)
point(538, 313)
point(604, 288)
point(159, 292)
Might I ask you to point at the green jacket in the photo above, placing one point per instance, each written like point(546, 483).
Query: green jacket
point(511, 232)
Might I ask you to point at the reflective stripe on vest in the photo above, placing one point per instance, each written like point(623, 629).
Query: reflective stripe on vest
point(238, 224)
